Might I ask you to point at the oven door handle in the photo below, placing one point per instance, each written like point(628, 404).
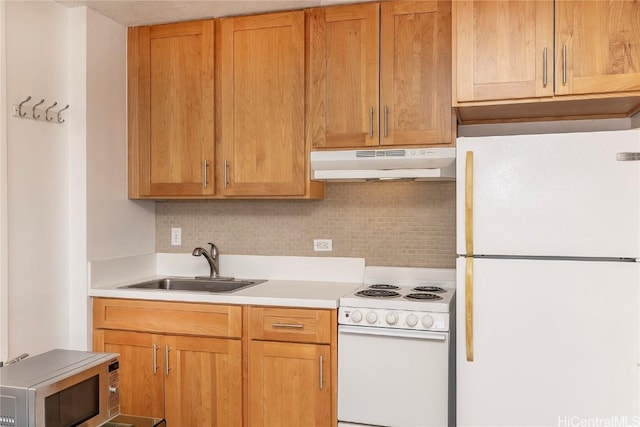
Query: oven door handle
point(392, 333)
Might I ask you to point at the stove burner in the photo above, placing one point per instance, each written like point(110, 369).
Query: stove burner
point(377, 293)
point(383, 286)
point(428, 289)
point(431, 297)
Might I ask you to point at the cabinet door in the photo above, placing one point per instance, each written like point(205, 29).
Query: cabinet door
point(343, 76)
point(289, 384)
point(171, 109)
point(597, 46)
point(262, 105)
point(503, 49)
point(415, 73)
point(141, 370)
point(204, 382)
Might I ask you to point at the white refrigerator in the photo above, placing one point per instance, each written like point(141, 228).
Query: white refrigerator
point(548, 278)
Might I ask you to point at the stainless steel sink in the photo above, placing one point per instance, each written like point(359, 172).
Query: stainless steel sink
point(197, 284)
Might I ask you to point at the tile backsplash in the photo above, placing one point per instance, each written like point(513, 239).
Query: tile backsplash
point(404, 224)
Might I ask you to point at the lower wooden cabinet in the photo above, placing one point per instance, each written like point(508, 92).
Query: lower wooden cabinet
point(191, 381)
point(292, 365)
point(206, 365)
point(289, 384)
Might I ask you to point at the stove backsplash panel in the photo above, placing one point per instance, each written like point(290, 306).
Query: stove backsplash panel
point(403, 224)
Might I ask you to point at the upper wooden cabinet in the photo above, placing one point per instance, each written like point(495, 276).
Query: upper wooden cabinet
point(507, 67)
point(379, 74)
point(599, 41)
point(504, 49)
point(170, 97)
point(261, 142)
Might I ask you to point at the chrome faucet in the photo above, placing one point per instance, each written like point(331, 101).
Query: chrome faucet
point(211, 257)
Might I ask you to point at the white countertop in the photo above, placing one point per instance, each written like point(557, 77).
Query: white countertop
point(291, 281)
point(286, 293)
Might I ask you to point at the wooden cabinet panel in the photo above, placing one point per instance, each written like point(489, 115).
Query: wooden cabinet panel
point(290, 324)
point(204, 385)
point(507, 66)
point(141, 382)
point(343, 63)
point(192, 381)
point(500, 49)
point(168, 317)
point(262, 105)
point(379, 74)
point(415, 76)
point(600, 43)
point(171, 96)
point(289, 384)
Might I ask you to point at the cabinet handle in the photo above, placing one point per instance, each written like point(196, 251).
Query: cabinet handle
point(155, 358)
point(544, 67)
point(386, 121)
point(166, 360)
point(564, 64)
point(321, 373)
point(287, 325)
point(206, 173)
point(226, 166)
point(371, 122)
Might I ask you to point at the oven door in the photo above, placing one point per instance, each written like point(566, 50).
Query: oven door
point(393, 377)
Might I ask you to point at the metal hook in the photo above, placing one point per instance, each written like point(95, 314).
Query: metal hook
point(33, 109)
point(46, 112)
point(60, 119)
point(20, 107)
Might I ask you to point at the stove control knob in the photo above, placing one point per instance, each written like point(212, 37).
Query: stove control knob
point(412, 320)
point(427, 321)
point(392, 318)
point(372, 317)
point(356, 316)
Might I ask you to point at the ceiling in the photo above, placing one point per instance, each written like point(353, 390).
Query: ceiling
point(146, 12)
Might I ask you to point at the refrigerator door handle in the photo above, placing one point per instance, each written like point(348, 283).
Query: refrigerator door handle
point(468, 299)
point(468, 307)
point(468, 203)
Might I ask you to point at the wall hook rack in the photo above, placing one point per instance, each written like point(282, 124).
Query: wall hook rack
point(46, 115)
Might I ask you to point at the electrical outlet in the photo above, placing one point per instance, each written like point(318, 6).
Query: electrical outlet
point(322, 245)
point(176, 236)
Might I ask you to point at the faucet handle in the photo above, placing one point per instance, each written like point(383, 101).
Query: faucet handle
point(213, 250)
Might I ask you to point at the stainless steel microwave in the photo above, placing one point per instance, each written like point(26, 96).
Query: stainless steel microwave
point(60, 388)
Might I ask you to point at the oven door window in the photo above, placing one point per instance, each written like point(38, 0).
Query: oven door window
point(74, 405)
point(388, 380)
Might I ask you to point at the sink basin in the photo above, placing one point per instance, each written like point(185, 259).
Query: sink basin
point(201, 285)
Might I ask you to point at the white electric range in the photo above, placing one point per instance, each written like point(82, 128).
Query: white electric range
point(396, 349)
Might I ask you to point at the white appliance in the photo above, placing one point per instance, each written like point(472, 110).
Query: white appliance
point(548, 278)
point(386, 164)
point(396, 347)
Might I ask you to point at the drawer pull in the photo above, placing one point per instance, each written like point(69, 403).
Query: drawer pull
point(166, 360)
point(287, 325)
point(321, 373)
point(155, 358)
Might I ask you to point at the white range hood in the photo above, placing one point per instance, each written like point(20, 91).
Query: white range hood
point(419, 164)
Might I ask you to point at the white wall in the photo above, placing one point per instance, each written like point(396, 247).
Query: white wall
point(106, 223)
point(38, 194)
point(116, 226)
point(66, 184)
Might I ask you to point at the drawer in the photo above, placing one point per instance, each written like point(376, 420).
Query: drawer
point(212, 320)
point(291, 324)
